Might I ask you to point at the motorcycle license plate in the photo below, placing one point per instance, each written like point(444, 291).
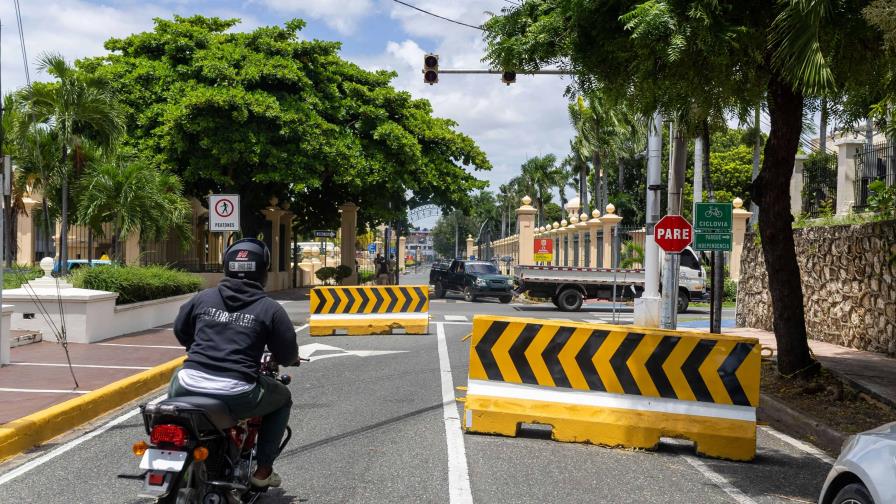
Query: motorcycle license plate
point(163, 460)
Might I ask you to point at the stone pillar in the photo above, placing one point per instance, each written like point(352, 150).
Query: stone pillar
point(25, 232)
point(272, 213)
point(470, 242)
point(561, 238)
point(582, 229)
point(132, 249)
point(847, 152)
point(796, 185)
point(286, 219)
point(555, 235)
point(608, 221)
point(348, 232)
point(570, 240)
point(526, 226)
point(739, 228)
point(402, 244)
point(593, 226)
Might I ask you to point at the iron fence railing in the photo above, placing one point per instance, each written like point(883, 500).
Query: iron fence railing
point(820, 185)
point(877, 162)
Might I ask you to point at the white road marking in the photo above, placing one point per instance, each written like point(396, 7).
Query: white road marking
point(595, 321)
point(310, 349)
point(718, 480)
point(455, 323)
point(456, 318)
point(44, 391)
point(806, 447)
point(458, 477)
point(77, 365)
point(299, 328)
point(24, 468)
point(140, 346)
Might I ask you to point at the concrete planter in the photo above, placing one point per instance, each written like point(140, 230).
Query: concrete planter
point(148, 314)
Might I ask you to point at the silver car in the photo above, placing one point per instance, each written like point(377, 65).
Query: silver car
point(865, 471)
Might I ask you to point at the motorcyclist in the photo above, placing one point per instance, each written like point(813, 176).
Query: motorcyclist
point(225, 330)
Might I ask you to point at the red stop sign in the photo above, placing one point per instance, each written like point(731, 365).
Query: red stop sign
point(673, 233)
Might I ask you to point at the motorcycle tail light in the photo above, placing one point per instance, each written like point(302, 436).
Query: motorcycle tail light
point(139, 448)
point(169, 434)
point(200, 453)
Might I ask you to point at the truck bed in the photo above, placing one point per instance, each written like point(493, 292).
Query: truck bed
point(561, 274)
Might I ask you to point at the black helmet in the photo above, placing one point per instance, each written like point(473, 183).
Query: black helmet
point(247, 259)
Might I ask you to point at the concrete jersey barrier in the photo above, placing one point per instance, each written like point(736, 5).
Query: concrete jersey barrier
point(359, 310)
point(614, 385)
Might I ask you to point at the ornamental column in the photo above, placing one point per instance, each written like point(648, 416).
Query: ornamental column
point(470, 241)
point(738, 229)
point(402, 244)
point(570, 240)
point(582, 228)
point(561, 237)
point(593, 226)
point(348, 235)
point(847, 158)
point(609, 220)
point(526, 226)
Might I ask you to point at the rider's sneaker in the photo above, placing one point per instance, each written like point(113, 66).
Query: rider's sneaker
point(271, 481)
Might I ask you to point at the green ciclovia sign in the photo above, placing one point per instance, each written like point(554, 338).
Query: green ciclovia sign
point(713, 226)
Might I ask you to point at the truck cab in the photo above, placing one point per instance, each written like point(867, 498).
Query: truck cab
point(473, 279)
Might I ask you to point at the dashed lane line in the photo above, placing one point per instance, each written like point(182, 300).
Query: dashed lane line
point(456, 318)
point(458, 475)
point(718, 480)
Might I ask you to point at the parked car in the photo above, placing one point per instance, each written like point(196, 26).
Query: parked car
point(74, 264)
point(474, 279)
point(865, 471)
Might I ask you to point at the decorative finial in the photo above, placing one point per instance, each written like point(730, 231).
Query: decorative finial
point(738, 202)
point(595, 213)
point(564, 223)
point(583, 217)
point(555, 225)
point(611, 209)
point(273, 201)
point(573, 219)
point(527, 200)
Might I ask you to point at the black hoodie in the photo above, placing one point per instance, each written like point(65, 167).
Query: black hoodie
point(226, 328)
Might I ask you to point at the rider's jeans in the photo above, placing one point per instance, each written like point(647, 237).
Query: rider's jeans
point(269, 399)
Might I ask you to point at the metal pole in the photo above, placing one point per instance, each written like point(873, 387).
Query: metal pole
point(491, 71)
point(615, 261)
point(654, 179)
point(673, 261)
point(718, 288)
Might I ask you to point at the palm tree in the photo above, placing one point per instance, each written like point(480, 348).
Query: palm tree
point(78, 109)
point(538, 175)
point(133, 197)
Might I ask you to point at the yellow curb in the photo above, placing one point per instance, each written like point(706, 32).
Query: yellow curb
point(36, 428)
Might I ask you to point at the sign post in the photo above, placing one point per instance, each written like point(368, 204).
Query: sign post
point(323, 234)
point(673, 233)
point(544, 250)
point(224, 213)
point(713, 232)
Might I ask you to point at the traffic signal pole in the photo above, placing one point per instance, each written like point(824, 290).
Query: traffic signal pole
point(672, 262)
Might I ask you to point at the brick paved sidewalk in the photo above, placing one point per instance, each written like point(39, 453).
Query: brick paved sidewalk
point(38, 376)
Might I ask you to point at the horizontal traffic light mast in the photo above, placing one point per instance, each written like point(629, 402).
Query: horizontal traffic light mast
point(431, 71)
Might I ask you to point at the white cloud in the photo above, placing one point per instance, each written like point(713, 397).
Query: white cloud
point(510, 123)
point(78, 29)
point(341, 15)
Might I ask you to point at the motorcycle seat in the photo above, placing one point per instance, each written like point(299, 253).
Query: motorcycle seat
point(216, 411)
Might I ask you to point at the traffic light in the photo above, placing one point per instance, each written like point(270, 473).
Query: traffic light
point(508, 77)
point(431, 68)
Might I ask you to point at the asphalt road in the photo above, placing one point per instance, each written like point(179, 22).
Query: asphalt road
point(370, 426)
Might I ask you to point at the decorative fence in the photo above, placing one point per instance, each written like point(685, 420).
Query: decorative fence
point(819, 193)
point(874, 163)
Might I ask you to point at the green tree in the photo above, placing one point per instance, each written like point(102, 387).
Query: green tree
point(693, 61)
point(80, 109)
point(135, 198)
point(266, 113)
point(538, 175)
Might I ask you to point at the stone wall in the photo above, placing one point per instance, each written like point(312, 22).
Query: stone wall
point(849, 285)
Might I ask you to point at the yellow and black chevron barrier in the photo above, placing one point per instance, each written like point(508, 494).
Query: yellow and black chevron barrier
point(614, 385)
point(359, 310)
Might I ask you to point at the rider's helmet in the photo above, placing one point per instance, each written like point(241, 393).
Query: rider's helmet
point(247, 259)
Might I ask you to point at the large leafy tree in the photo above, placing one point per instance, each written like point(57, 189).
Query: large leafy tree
point(266, 113)
point(80, 109)
point(695, 59)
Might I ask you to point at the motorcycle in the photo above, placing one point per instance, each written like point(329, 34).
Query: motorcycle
point(198, 453)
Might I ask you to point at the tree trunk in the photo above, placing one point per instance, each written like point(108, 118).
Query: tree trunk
point(620, 175)
point(757, 144)
point(63, 233)
point(595, 161)
point(605, 194)
point(583, 188)
point(823, 127)
point(89, 247)
point(771, 192)
point(46, 209)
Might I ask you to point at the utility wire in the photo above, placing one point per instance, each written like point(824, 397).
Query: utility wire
point(22, 41)
point(438, 16)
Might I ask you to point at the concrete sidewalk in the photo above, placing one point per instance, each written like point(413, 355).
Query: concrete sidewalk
point(870, 372)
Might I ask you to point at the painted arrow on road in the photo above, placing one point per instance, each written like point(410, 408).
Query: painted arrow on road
point(308, 351)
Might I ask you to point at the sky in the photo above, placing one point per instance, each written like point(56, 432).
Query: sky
point(510, 123)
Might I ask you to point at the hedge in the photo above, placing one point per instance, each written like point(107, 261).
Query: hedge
point(14, 277)
point(136, 283)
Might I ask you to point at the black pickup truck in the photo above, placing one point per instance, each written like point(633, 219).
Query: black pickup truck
point(472, 278)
